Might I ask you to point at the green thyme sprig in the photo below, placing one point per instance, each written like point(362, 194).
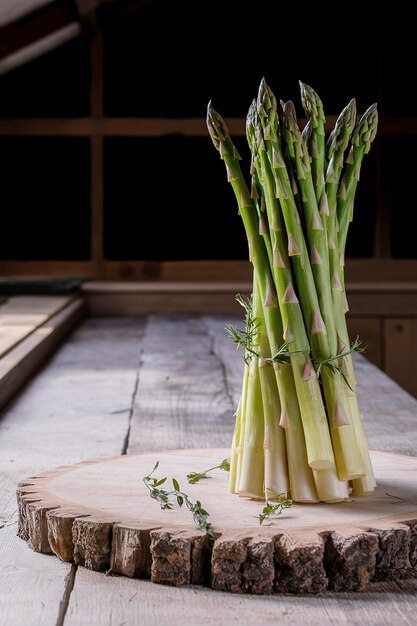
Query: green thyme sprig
point(356, 346)
point(283, 355)
point(165, 498)
point(245, 338)
point(195, 477)
point(275, 507)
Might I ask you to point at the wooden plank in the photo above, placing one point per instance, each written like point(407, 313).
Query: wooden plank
point(99, 599)
point(21, 362)
point(357, 270)
point(400, 360)
point(144, 301)
point(381, 270)
point(225, 350)
point(40, 23)
point(382, 304)
point(39, 47)
point(11, 335)
point(182, 400)
point(21, 315)
point(31, 309)
point(113, 127)
point(369, 330)
point(30, 587)
point(119, 601)
point(10, 10)
point(228, 287)
point(133, 304)
point(179, 271)
point(139, 298)
point(42, 269)
point(171, 288)
point(389, 412)
point(117, 126)
point(157, 126)
point(78, 407)
point(97, 163)
point(386, 604)
point(135, 270)
point(385, 287)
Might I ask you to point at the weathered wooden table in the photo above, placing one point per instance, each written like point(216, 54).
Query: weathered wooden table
point(130, 385)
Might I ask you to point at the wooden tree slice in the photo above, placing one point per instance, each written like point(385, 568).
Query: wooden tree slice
point(99, 514)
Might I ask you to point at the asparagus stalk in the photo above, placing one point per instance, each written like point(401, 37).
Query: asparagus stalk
point(313, 108)
point(313, 415)
point(336, 146)
point(328, 485)
point(238, 437)
point(315, 230)
point(269, 143)
point(251, 479)
point(276, 481)
point(301, 477)
point(298, 299)
point(363, 136)
point(348, 459)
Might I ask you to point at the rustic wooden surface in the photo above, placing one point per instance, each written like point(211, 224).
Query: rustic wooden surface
point(88, 403)
point(99, 514)
point(382, 313)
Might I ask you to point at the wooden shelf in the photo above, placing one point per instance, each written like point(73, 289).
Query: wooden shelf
point(31, 328)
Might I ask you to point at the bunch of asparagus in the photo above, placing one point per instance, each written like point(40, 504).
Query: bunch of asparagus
point(298, 429)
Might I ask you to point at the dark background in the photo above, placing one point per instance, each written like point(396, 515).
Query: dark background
point(166, 198)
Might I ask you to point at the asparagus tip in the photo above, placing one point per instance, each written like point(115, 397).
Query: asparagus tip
point(216, 127)
point(313, 106)
point(340, 135)
point(366, 128)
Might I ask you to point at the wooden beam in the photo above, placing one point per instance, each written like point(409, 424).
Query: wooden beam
point(37, 269)
point(396, 126)
point(117, 126)
point(97, 166)
point(20, 316)
point(36, 25)
point(40, 47)
point(12, 10)
point(157, 126)
point(380, 271)
point(382, 231)
point(102, 126)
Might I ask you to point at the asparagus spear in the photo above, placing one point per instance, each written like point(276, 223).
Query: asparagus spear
point(313, 108)
point(312, 411)
point(302, 484)
point(297, 302)
point(348, 459)
point(315, 230)
point(362, 137)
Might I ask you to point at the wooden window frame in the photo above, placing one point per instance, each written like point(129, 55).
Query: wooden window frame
point(97, 127)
